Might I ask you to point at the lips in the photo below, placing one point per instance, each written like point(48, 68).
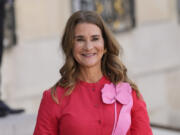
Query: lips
point(88, 54)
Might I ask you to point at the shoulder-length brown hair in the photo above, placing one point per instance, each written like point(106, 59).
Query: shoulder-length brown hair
point(112, 67)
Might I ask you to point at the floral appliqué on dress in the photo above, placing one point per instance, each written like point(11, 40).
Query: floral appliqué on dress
point(122, 93)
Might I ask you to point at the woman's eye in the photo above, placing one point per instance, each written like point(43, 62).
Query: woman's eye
point(95, 39)
point(79, 39)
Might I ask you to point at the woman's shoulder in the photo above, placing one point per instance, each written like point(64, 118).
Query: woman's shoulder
point(137, 96)
point(138, 101)
point(47, 94)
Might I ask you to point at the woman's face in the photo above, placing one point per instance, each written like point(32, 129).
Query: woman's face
point(88, 45)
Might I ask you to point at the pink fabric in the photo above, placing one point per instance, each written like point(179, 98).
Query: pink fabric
point(122, 93)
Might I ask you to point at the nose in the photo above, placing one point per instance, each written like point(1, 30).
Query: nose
point(88, 45)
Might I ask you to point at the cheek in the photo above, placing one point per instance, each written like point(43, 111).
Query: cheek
point(101, 47)
point(76, 51)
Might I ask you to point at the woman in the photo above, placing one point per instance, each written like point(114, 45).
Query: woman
point(94, 95)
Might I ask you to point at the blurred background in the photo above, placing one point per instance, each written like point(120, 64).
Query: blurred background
point(148, 31)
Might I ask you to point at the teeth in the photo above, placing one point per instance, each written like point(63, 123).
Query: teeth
point(88, 54)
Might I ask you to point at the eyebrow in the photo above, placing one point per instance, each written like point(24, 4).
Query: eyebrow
point(96, 36)
point(78, 36)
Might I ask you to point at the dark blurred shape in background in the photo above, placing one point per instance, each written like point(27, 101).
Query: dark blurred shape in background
point(118, 14)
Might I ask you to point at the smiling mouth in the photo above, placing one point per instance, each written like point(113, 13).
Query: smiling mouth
point(89, 55)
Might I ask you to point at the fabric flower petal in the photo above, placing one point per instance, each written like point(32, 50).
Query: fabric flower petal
point(123, 92)
point(108, 93)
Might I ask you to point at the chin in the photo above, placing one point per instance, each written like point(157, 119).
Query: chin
point(90, 65)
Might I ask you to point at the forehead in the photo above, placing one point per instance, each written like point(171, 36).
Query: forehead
point(87, 29)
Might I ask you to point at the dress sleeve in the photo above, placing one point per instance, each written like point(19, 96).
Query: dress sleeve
point(140, 124)
point(47, 119)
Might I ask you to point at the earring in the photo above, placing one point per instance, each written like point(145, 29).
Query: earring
point(105, 51)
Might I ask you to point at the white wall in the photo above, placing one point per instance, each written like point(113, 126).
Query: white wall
point(152, 55)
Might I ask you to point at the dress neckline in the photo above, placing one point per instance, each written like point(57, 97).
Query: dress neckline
point(101, 81)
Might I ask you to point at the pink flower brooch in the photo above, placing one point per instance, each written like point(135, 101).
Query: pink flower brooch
point(122, 93)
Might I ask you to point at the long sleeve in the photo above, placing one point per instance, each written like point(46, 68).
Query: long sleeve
point(47, 119)
point(140, 120)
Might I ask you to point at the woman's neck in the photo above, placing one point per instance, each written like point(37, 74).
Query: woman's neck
point(90, 75)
